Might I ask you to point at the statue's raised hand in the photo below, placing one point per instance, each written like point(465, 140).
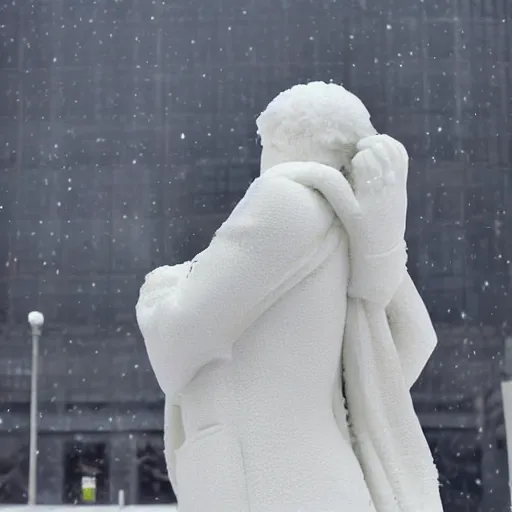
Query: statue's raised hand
point(377, 245)
point(379, 175)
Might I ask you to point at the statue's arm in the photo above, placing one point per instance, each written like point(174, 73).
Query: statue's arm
point(378, 253)
point(269, 233)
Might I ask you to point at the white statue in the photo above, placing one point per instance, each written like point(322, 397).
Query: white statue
point(301, 300)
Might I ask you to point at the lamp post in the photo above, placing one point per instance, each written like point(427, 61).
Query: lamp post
point(36, 321)
point(506, 390)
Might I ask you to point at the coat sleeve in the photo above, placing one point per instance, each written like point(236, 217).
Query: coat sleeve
point(268, 236)
point(412, 330)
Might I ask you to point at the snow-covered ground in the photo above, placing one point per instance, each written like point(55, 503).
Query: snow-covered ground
point(97, 508)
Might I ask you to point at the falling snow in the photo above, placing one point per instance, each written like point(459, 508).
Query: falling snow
point(127, 136)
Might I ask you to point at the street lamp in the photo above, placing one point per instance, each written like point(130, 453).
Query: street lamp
point(36, 321)
point(506, 390)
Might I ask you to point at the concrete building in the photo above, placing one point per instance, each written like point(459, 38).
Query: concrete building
point(126, 136)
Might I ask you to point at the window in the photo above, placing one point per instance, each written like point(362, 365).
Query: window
point(4, 250)
point(13, 470)
point(85, 460)
point(154, 485)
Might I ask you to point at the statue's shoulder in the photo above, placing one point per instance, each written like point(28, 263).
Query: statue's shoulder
point(279, 198)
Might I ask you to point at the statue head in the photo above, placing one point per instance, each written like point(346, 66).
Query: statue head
point(316, 122)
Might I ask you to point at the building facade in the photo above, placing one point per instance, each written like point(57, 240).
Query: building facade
point(127, 135)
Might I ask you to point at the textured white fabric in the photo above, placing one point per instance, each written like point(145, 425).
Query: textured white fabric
point(246, 344)
point(388, 437)
point(252, 364)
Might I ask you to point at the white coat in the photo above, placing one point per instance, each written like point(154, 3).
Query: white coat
point(246, 342)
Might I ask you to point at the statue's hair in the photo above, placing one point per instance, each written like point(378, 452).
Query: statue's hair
point(315, 119)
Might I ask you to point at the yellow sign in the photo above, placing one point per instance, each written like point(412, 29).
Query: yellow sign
point(89, 489)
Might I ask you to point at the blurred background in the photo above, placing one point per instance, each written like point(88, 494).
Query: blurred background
point(127, 134)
